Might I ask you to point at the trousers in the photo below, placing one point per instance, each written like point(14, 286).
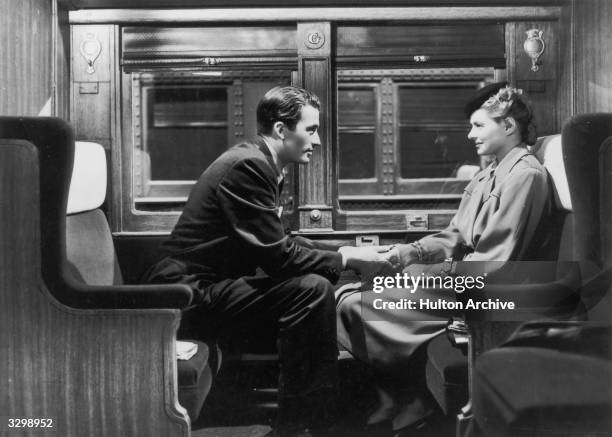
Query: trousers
point(301, 310)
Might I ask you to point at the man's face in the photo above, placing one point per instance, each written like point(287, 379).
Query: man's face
point(299, 143)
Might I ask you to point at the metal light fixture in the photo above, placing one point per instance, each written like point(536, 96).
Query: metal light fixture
point(534, 46)
point(90, 49)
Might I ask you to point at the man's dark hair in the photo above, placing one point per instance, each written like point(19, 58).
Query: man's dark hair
point(283, 103)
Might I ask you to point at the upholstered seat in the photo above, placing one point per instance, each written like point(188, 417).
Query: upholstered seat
point(98, 359)
point(555, 380)
point(92, 260)
point(447, 374)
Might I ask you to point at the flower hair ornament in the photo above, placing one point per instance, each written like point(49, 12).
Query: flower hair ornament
point(501, 102)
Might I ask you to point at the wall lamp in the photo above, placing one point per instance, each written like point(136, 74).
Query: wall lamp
point(534, 46)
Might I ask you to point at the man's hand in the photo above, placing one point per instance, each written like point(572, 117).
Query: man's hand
point(369, 261)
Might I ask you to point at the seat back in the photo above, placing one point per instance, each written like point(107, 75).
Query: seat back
point(97, 371)
point(584, 144)
point(588, 161)
point(558, 230)
point(89, 245)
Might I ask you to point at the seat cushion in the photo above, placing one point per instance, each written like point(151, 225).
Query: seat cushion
point(195, 379)
point(447, 374)
point(520, 391)
point(89, 249)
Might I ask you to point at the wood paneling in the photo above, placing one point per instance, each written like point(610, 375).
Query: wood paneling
point(94, 372)
point(318, 180)
point(437, 43)
point(311, 14)
point(93, 91)
point(83, 4)
point(61, 66)
point(150, 43)
point(592, 49)
point(565, 76)
point(25, 56)
point(540, 87)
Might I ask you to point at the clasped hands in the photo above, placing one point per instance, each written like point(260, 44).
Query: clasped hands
point(371, 261)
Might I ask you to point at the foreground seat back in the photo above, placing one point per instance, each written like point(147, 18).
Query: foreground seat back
point(588, 159)
point(554, 377)
point(97, 361)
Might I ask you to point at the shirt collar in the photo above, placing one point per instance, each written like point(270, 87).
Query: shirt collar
point(503, 168)
point(272, 157)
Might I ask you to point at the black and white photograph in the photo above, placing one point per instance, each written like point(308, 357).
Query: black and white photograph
point(317, 218)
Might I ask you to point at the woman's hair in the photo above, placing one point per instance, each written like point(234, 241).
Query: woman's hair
point(510, 102)
point(283, 104)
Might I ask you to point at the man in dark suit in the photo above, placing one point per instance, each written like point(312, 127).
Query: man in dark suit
point(231, 226)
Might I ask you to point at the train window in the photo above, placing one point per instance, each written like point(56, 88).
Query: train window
point(402, 133)
point(180, 123)
point(432, 131)
point(188, 93)
point(185, 130)
point(358, 132)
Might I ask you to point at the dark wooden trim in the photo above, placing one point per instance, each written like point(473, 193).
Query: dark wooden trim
point(318, 180)
point(311, 14)
point(99, 4)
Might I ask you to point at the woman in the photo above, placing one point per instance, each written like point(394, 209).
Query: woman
point(498, 220)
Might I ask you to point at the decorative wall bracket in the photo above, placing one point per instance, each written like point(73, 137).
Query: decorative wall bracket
point(315, 39)
point(534, 46)
point(90, 49)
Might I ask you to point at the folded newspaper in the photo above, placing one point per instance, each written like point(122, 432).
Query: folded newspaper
point(185, 350)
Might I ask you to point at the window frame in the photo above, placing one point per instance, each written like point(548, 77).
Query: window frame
point(407, 191)
point(423, 187)
point(164, 210)
point(373, 185)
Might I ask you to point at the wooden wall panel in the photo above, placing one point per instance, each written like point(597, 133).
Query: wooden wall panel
point(78, 4)
point(25, 56)
point(592, 48)
point(318, 182)
point(93, 89)
point(565, 81)
point(539, 86)
point(61, 53)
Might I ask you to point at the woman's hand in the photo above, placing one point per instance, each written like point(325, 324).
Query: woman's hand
point(408, 254)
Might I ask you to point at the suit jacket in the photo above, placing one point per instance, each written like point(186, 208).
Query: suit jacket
point(231, 224)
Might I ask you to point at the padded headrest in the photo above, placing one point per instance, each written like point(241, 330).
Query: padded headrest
point(550, 153)
point(88, 183)
point(467, 171)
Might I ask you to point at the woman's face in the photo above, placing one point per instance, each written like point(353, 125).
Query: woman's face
point(489, 135)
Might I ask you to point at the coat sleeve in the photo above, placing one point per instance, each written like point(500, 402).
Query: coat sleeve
point(445, 244)
point(247, 196)
point(449, 242)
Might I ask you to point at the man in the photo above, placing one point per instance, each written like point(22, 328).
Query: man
point(231, 225)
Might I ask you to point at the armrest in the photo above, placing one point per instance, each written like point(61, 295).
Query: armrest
point(534, 288)
point(535, 292)
point(83, 296)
